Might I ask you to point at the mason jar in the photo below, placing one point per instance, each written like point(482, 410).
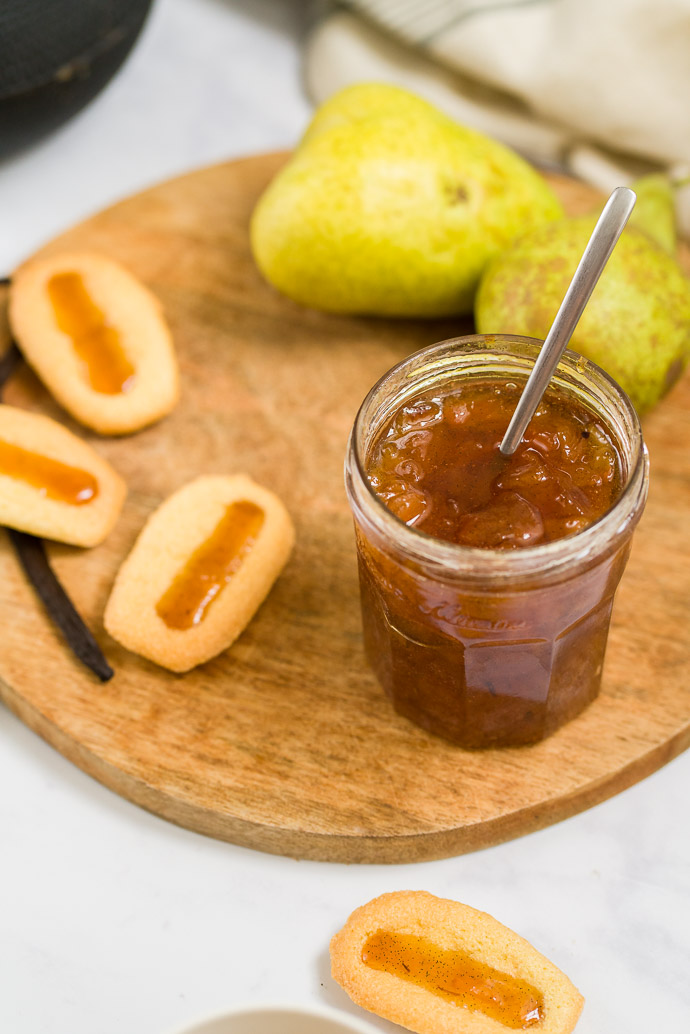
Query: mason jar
point(490, 647)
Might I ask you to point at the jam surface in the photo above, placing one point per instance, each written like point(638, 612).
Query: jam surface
point(95, 341)
point(437, 466)
point(211, 566)
point(456, 977)
point(52, 478)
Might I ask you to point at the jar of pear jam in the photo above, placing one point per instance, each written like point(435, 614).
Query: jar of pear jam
point(487, 582)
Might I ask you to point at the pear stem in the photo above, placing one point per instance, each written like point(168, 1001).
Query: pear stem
point(609, 227)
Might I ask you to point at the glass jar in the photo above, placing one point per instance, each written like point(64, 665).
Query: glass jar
point(490, 647)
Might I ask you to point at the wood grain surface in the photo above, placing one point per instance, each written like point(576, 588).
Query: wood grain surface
point(285, 743)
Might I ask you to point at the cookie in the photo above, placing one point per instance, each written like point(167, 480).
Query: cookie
point(203, 564)
point(438, 967)
point(52, 483)
point(97, 339)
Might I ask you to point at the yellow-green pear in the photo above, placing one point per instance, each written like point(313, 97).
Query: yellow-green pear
point(636, 324)
point(389, 207)
point(655, 209)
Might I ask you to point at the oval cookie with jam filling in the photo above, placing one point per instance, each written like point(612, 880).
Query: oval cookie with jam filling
point(203, 564)
point(439, 967)
point(52, 483)
point(97, 339)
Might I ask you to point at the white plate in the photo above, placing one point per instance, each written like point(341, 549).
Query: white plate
point(280, 1019)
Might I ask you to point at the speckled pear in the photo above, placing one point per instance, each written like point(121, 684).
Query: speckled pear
point(636, 324)
point(655, 209)
point(389, 207)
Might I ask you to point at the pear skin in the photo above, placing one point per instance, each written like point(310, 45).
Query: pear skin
point(636, 325)
point(655, 209)
point(388, 207)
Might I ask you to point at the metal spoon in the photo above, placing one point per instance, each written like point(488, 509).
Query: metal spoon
point(597, 253)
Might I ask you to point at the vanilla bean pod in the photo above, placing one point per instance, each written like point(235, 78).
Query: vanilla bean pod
point(32, 556)
point(9, 363)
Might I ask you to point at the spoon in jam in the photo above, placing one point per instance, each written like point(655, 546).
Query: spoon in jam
point(609, 227)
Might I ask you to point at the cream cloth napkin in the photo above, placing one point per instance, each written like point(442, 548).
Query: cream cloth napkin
point(598, 87)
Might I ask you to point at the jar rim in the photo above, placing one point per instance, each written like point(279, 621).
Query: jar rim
point(465, 560)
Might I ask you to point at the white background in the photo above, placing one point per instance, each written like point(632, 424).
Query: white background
point(113, 921)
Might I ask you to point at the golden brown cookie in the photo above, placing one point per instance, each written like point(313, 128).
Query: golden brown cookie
point(203, 564)
point(438, 967)
point(97, 339)
point(52, 483)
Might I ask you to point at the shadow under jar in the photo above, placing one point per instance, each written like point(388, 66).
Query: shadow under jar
point(499, 642)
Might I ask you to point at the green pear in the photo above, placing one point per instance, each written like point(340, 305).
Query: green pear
point(389, 207)
point(636, 325)
point(655, 209)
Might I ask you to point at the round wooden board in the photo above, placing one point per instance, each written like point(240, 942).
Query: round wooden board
point(285, 743)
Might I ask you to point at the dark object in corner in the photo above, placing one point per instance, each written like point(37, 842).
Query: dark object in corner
point(55, 56)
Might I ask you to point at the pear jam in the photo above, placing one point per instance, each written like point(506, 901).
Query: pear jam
point(211, 567)
point(53, 479)
point(437, 466)
point(487, 582)
point(456, 977)
point(96, 343)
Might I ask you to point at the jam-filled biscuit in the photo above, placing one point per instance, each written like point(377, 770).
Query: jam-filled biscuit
point(97, 339)
point(52, 483)
point(438, 967)
point(203, 564)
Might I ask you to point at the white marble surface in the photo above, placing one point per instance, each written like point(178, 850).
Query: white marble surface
point(112, 920)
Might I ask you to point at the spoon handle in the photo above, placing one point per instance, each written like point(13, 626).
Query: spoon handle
point(597, 253)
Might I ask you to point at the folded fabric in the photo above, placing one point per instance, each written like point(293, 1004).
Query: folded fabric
point(600, 89)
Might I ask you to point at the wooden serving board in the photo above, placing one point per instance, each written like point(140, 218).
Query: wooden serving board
point(285, 743)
